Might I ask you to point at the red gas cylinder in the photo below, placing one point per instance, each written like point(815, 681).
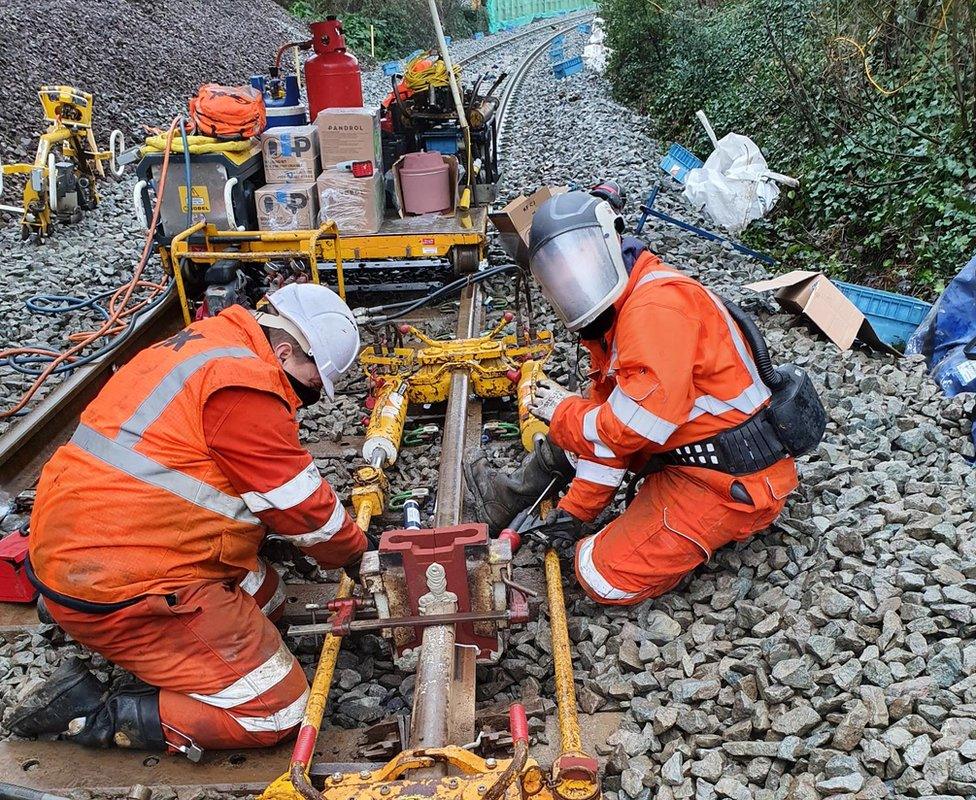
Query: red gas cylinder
point(332, 76)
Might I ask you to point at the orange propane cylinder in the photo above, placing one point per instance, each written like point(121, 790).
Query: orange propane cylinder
point(332, 76)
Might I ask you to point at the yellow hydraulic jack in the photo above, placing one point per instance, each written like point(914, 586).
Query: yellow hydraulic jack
point(62, 184)
point(423, 375)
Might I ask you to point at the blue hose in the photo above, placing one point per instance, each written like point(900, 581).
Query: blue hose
point(33, 364)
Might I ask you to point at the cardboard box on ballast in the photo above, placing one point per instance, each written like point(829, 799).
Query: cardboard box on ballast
point(452, 177)
point(291, 153)
point(814, 296)
point(515, 221)
point(354, 204)
point(287, 206)
point(349, 134)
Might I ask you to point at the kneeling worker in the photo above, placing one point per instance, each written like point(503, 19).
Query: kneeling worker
point(671, 375)
point(145, 532)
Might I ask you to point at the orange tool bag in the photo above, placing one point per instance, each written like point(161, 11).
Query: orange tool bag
point(228, 112)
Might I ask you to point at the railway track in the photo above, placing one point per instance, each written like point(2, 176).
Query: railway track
point(26, 447)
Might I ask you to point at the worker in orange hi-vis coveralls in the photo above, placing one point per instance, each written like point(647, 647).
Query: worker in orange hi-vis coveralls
point(674, 384)
point(145, 532)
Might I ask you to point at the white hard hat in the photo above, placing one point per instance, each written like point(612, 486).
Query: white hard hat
point(327, 328)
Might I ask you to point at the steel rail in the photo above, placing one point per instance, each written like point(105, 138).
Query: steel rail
point(435, 713)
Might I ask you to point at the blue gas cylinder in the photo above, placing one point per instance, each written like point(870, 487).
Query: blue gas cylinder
point(282, 101)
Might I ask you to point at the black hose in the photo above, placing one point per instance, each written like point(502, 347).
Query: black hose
point(757, 343)
point(405, 307)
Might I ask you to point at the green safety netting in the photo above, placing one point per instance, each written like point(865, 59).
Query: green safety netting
point(504, 14)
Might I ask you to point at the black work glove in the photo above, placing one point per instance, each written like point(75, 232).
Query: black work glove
point(559, 530)
point(352, 568)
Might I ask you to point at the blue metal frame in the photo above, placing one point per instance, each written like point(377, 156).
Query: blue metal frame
point(648, 210)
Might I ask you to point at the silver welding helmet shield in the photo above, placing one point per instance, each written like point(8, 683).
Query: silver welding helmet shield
point(574, 254)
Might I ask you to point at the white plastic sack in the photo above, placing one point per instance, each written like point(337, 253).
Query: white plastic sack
point(735, 185)
point(595, 53)
point(595, 57)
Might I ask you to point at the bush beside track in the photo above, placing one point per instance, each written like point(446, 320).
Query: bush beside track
point(884, 143)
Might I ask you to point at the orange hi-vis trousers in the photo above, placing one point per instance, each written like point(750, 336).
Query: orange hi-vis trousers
point(677, 520)
point(225, 676)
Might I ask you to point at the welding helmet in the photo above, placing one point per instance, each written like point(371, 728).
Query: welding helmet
point(321, 323)
point(574, 254)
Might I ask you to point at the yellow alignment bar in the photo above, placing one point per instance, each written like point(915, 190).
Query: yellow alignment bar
point(569, 729)
point(322, 681)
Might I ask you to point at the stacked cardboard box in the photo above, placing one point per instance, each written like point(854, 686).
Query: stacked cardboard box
point(349, 136)
point(289, 200)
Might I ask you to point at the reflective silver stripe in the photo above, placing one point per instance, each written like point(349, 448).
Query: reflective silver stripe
point(639, 419)
point(292, 492)
point(745, 354)
point(253, 580)
point(282, 720)
point(590, 433)
point(655, 275)
point(753, 395)
point(748, 400)
point(143, 468)
point(275, 602)
point(254, 684)
point(589, 573)
point(168, 388)
point(599, 473)
point(332, 526)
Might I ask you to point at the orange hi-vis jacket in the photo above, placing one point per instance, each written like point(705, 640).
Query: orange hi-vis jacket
point(137, 504)
point(673, 369)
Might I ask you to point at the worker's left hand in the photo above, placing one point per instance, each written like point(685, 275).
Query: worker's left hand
point(559, 530)
point(546, 395)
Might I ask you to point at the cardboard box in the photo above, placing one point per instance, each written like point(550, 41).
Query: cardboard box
point(812, 295)
point(287, 206)
point(349, 134)
point(291, 153)
point(452, 176)
point(356, 204)
point(515, 221)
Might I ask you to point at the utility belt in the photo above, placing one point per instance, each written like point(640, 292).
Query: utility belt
point(791, 425)
point(85, 606)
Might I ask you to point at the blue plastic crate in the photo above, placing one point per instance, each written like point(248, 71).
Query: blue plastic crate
point(585, 28)
point(894, 317)
point(679, 161)
point(479, 34)
point(567, 68)
point(558, 42)
point(392, 68)
point(555, 56)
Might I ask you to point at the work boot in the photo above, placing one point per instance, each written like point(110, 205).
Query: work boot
point(498, 497)
point(75, 704)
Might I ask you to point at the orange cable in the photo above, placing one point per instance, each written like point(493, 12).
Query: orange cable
point(118, 309)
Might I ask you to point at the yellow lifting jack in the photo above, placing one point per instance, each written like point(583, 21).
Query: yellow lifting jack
point(62, 184)
point(499, 366)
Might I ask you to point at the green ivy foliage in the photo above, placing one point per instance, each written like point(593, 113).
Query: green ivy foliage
point(888, 180)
